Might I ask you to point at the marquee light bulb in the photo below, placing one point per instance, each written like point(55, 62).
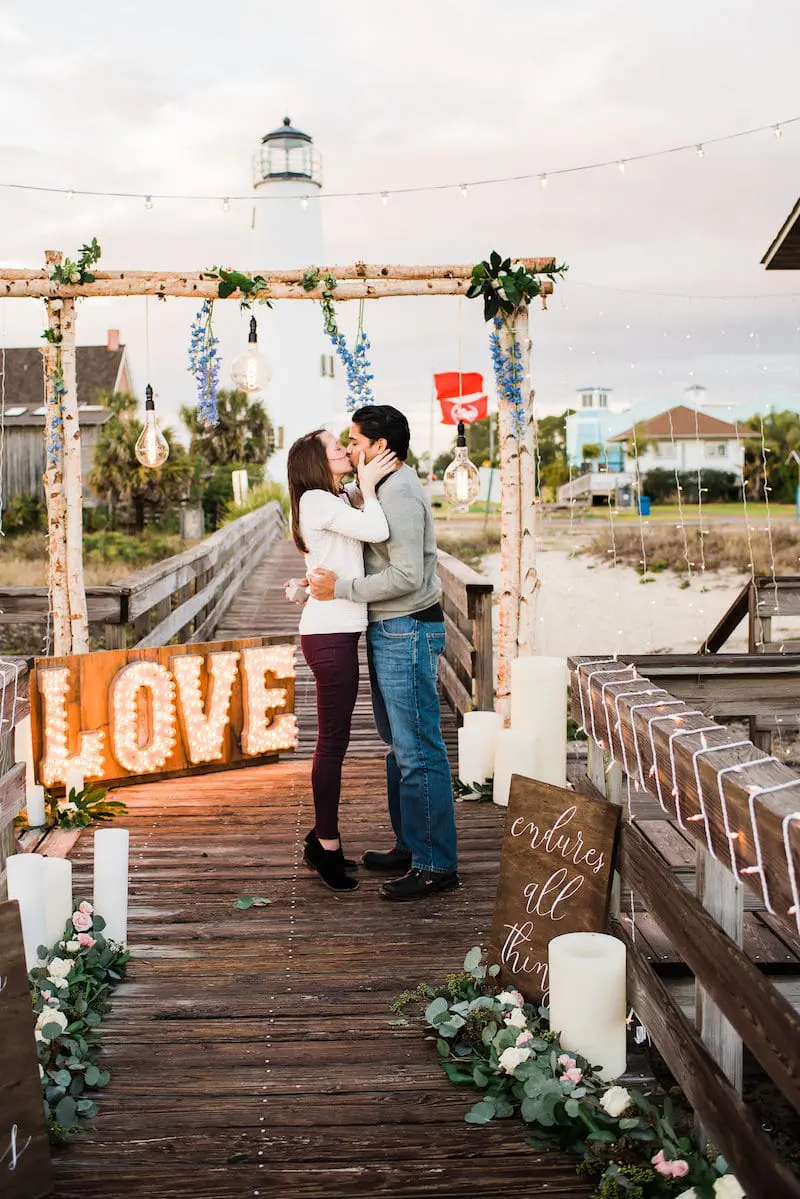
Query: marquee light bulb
point(205, 728)
point(56, 762)
point(136, 684)
point(250, 370)
point(265, 728)
point(152, 447)
point(461, 479)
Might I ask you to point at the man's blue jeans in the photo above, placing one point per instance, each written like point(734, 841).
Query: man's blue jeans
point(403, 656)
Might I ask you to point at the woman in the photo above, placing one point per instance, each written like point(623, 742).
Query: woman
point(329, 532)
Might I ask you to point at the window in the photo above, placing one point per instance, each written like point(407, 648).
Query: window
point(324, 363)
point(602, 400)
point(586, 400)
point(665, 449)
point(716, 449)
point(722, 450)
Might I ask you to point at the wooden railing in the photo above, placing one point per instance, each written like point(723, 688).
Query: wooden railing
point(14, 707)
point(179, 599)
point(743, 811)
point(466, 669)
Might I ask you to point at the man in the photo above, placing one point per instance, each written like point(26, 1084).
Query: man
point(405, 637)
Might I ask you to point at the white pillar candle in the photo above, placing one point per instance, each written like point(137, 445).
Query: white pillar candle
point(515, 753)
point(57, 898)
point(74, 782)
point(35, 807)
point(34, 795)
point(476, 746)
point(539, 704)
point(587, 998)
point(25, 877)
point(111, 881)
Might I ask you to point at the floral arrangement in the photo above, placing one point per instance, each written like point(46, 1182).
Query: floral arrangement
point(69, 993)
point(79, 809)
point(496, 1043)
point(250, 286)
point(506, 286)
point(204, 364)
point(477, 792)
point(80, 271)
point(356, 363)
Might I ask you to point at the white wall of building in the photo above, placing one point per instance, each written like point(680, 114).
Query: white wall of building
point(690, 454)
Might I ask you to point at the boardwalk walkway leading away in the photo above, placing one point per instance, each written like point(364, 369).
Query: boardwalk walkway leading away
point(253, 1053)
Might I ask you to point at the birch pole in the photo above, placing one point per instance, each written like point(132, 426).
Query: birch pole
point(528, 466)
point(510, 530)
point(54, 479)
point(73, 485)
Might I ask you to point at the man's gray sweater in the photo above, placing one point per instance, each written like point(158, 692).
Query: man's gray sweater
point(401, 573)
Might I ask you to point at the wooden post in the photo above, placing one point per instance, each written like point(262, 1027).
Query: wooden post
point(528, 578)
point(54, 481)
point(723, 899)
point(73, 486)
point(510, 530)
point(484, 651)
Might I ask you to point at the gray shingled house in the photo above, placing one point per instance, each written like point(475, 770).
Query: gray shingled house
point(99, 369)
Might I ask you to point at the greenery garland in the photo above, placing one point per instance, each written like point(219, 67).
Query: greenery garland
point(78, 272)
point(495, 1042)
point(229, 281)
point(69, 995)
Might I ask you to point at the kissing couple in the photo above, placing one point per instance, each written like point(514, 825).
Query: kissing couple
point(370, 556)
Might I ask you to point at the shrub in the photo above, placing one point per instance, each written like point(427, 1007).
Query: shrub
point(23, 514)
point(257, 497)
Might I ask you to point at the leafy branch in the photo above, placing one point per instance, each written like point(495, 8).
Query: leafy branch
point(250, 286)
point(505, 285)
point(80, 271)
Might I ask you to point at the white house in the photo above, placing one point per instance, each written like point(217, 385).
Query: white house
point(683, 439)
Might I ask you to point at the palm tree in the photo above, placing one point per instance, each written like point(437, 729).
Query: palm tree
point(244, 433)
point(118, 474)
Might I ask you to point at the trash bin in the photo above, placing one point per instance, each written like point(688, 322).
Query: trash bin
point(644, 505)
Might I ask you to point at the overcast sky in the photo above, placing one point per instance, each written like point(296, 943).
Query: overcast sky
point(174, 96)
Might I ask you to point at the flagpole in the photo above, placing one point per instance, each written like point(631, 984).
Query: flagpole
point(430, 433)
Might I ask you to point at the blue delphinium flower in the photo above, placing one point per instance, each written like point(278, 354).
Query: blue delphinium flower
point(508, 370)
point(204, 363)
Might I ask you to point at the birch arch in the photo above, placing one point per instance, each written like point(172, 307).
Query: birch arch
point(362, 281)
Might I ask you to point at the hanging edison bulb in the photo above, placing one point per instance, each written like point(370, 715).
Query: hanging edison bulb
point(152, 447)
point(461, 479)
point(250, 370)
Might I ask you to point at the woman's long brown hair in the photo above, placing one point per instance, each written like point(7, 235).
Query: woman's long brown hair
point(308, 470)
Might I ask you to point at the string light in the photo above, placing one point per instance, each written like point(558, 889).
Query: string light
point(384, 198)
point(226, 205)
point(70, 194)
point(621, 166)
point(204, 729)
point(148, 202)
point(464, 192)
point(54, 685)
point(265, 727)
point(543, 181)
point(304, 201)
point(700, 152)
point(777, 130)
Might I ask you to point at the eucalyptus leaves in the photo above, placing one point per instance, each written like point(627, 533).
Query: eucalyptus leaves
point(505, 285)
point(80, 271)
point(69, 994)
point(495, 1042)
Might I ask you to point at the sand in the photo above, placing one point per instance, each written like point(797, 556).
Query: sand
point(586, 607)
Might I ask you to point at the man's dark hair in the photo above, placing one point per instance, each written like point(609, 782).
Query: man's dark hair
point(382, 420)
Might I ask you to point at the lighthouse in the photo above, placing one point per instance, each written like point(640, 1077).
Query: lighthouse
point(287, 176)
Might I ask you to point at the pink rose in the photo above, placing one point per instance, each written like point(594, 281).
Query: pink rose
point(46, 994)
point(81, 921)
point(519, 999)
point(85, 941)
point(573, 1074)
point(523, 1038)
point(671, 1169)
point(567, 1062)
point(679, 1168)
point(86, 908)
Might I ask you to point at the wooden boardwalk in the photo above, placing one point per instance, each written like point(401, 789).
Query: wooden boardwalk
point(253, 1053)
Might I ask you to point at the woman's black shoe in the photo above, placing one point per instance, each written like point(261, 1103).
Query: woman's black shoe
point(349, 863)
point(329, 865)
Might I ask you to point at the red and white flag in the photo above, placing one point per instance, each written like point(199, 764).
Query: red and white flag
point(460, 397)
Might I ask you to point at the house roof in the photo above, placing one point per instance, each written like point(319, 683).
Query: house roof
point(784, 253)
point(98, 369)
point(680, 422)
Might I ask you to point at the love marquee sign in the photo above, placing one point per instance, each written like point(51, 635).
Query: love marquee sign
point(127, 715)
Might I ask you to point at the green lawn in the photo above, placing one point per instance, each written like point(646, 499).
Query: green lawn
point(665, 512)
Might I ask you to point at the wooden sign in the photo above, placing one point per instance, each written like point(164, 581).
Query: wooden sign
point(555, 877)
point(125, 716)
point(24, 1148)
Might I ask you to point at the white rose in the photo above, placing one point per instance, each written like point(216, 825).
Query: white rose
point(690, 1194)
point(72, 946)
point(57, 982)
point(513, 997)
point(728, 1187)
point(49, 1016)
point(511, 1058)
point(516, 1019)
point(615, 1100)
point(59, 968)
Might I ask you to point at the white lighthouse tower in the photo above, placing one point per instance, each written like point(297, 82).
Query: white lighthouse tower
point(302, 395)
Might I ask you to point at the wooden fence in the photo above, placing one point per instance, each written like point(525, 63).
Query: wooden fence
point(743, 810)
point(180, 599)
point(466, 669)
point(14, 707)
